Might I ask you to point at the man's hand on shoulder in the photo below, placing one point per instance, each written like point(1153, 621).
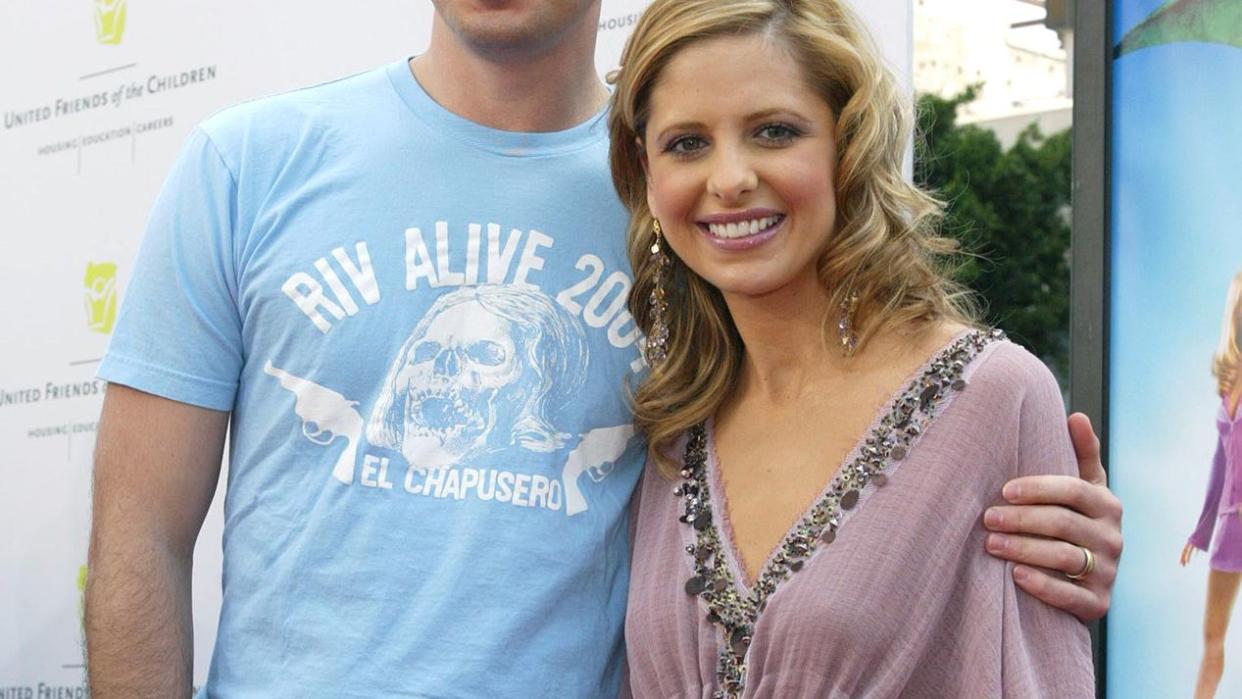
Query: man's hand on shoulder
point(1050, 525)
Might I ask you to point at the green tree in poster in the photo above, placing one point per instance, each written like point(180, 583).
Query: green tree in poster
point(1010, 211)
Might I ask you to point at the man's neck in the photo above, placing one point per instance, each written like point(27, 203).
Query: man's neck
point(550, 91)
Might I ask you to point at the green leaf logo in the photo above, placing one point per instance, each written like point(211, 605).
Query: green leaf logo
point(82, 596)
point(1200, 21)
point(109, 21)
point(100, 296)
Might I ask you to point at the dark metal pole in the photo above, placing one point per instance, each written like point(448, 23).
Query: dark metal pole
point(1090, 248)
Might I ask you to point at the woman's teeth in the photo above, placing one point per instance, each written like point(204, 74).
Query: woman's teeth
point(741, 229)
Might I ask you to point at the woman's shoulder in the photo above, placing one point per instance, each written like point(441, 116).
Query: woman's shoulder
point(999, 363)
point(1008, 368)
point(1006, 387)
point(1013, 403)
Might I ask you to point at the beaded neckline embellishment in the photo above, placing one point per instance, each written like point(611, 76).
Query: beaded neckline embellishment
point(888, 442)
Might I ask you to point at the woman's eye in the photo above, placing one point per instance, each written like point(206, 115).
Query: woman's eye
point(684, 145)
point(779, 133)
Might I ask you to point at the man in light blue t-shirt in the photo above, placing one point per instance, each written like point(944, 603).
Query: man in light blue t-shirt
point(405, 292)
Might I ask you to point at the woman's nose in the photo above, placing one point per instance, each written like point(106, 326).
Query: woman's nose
point(733, 175)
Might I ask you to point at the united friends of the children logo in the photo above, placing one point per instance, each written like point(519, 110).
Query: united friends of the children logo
point(100, 296)
point(110, 21)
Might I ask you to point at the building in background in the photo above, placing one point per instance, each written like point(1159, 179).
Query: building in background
point(1018, 51)
point(986, 72)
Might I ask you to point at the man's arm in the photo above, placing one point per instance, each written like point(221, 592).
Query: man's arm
point(1049, 517)
point(156, 466)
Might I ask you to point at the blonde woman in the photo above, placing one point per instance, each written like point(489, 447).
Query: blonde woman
point(1221, 519)
point(825, 420)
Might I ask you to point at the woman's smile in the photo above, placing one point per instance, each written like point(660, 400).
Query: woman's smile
point(742, 230)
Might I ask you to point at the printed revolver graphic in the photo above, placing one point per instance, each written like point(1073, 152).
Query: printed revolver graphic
point(325, 416)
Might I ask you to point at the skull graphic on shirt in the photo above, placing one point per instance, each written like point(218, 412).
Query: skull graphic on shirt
point(464, 379)
point(487, 368)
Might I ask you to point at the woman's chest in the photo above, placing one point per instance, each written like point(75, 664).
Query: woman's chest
point(894, 573)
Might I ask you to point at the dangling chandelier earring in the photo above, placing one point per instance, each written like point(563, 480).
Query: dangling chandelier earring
point(845, 326)
point(657, 342)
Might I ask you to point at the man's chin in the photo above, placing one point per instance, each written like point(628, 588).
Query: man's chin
point(506, 27)
point(500, 40)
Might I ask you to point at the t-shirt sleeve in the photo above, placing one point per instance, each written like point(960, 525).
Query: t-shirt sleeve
point(1046, 651)
point(178, 333)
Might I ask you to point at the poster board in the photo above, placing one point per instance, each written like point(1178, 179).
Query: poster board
point(1175, 245)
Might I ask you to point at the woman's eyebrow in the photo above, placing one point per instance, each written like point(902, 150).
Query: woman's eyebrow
point(760, 115)
point(679, 126)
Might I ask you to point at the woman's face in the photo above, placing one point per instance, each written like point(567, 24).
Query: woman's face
point(739, 153)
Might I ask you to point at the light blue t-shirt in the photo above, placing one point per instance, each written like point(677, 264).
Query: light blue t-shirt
point(419, 325)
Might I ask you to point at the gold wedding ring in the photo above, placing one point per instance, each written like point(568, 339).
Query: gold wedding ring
point(1088, 565)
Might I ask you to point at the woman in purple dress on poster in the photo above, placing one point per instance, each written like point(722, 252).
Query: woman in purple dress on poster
point(1221, 519)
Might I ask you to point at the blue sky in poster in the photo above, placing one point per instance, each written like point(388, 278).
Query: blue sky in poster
point(1128, 13)
point(1177, 242)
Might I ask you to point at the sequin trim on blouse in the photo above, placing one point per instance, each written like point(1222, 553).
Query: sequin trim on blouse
point(888, 442)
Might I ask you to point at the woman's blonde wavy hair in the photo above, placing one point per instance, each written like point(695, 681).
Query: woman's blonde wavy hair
point(1225, 361)
point(885, 247)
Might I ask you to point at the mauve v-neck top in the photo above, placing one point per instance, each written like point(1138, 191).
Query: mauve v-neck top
point(905, 602)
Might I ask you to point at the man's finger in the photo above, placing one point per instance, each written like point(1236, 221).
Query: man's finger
point(1068, 491)
point(1094, 501)
point(1056, 522)
point(1087, 448)
point(1041, 553)
point(1040, 520)
point(1083, 602)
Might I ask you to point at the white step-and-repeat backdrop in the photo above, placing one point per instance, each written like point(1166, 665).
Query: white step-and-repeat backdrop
point(97, 96)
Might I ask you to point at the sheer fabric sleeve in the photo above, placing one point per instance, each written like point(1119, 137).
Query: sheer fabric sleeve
point(1046, 652)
